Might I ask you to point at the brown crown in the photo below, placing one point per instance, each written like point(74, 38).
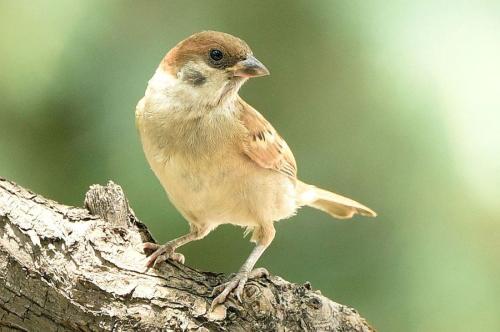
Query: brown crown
point(199, 45)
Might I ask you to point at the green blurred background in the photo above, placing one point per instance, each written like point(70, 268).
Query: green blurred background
point(396, 104)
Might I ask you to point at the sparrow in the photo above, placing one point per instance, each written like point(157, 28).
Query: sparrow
point(219, 160)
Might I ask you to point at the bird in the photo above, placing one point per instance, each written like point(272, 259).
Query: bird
point(218, 159)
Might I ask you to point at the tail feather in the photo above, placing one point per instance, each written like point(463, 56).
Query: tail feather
point(336, 205)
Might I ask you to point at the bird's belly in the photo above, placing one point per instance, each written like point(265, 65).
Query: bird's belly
point(235, 191)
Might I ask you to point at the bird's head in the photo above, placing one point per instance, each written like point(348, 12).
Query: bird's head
point(211, 66)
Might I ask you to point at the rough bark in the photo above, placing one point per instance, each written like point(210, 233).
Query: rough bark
point(64, 268)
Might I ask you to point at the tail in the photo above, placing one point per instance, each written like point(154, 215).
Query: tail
point(335, 205)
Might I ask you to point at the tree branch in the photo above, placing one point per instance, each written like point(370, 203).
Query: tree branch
point(64, 268)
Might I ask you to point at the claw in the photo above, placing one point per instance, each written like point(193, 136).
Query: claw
point(221, 298)
point(218, 289)
point(161, 254)
point(239, 290)
point(237, 283)
point(153, 261)
point(178, 257)
point(150, 246)
point(259, 272)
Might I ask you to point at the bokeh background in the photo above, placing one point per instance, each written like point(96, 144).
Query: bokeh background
point(396, 104)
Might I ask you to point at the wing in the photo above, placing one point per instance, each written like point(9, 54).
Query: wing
point(264, 145)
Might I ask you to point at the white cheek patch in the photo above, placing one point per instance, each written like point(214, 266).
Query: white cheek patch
point(196, 86)
point(162, 80)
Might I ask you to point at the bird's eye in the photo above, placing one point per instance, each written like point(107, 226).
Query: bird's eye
point(216, 55)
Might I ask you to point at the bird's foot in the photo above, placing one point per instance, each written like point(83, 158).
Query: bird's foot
point(161, 253)
point(237, 283)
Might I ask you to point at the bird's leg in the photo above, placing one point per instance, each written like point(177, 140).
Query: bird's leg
point(238, 282)
point(263, 237)
point(167, 250)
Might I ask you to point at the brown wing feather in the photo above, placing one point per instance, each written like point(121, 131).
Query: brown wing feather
point(264, 145)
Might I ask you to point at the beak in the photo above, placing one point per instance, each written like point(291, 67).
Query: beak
point(250, 67)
